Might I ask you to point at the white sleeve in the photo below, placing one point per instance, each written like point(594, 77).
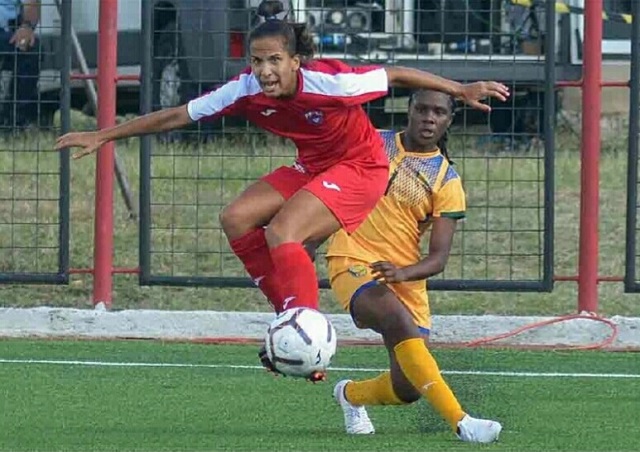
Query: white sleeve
point(225, 100)
point(355, 87)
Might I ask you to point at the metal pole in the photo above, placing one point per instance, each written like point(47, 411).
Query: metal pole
point(590, 177)
point(103, 228)
point(549, 145)
point(92, 96)
point(65, 123)
point(632, 166)
point(146, 94)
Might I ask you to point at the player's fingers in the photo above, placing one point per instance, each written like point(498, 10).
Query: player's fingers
point(59, 143)
point(501, 88)
point(65, 141)
point(381, 273)
point(376, 272)
point(498, 95)
point(391, 278)
point(495, 86)
point(380, 279)
point(381, 266)
point(82, 153)
point(479, 105)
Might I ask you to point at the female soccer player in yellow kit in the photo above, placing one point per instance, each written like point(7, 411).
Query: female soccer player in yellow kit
point(379, 277)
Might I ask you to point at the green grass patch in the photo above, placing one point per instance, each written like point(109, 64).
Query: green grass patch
point(501, 239)
point(69, 407)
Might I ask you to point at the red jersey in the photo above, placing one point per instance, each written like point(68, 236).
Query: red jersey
point(324, 119)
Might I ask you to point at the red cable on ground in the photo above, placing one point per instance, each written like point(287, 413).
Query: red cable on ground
point(599, 345)
point(476, 342)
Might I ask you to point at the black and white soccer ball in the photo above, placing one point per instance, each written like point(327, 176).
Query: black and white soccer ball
point(300, 341)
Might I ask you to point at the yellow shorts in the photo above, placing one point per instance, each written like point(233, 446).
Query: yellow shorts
point(350, 276)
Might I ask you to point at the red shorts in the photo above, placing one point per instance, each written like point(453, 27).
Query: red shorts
point(349, 189)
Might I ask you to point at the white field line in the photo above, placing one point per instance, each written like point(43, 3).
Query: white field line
point(335, 369)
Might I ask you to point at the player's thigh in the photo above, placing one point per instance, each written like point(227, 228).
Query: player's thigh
point(302, 218)
point(261, 201)
point(350, 191)
point(348, 278)
point(372, 305)
point(340, 197)
point(413, 295)
point(377, 307)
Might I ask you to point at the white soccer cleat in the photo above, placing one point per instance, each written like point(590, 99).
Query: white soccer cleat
point(474, 430)
point(356, 419)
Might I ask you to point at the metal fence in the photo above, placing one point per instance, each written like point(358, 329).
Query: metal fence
point(631, 278)
point(188, 47)
point(505, 159)
point(34, 182)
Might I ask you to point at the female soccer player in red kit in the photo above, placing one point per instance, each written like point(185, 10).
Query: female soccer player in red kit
point(341, 169)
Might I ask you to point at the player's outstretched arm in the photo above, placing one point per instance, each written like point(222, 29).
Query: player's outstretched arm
point(159, 121)
point(471, 94)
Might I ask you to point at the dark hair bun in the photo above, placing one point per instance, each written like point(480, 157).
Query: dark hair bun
point(269, 9)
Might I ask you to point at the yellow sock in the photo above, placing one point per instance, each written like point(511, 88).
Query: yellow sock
point(422, 371)
point(377, 391)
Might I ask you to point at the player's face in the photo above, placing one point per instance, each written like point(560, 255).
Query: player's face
point(275, 69)
point(430, 116)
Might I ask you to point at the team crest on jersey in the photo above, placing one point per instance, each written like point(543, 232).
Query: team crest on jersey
point(314, 117)
point(358, 271)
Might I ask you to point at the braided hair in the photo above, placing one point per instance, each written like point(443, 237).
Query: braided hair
point(442, 142)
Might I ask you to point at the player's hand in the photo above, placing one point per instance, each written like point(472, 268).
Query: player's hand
point(24, 38)
point(88, 141)
point(472, 93)
point(387, 273)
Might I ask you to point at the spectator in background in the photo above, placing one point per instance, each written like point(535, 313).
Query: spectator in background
point(19, 55)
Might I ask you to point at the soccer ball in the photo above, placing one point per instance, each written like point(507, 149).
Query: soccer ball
point(300, 341)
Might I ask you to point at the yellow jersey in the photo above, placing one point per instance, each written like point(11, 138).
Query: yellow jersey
point(421, 186)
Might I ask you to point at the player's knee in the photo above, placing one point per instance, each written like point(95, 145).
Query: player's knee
point(402, 388)
point(397, 325)
point(406, 392)
point(279, 231)
point(235, 221)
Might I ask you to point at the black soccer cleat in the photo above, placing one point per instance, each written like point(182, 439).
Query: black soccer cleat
point(315, 377)
point(266, 362)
